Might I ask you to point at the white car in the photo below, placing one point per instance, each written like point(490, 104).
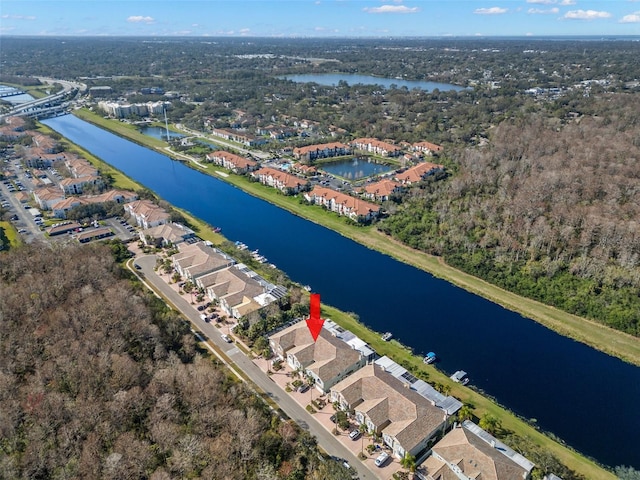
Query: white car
point(355, 434)
point(382, 459)
point(226, 338)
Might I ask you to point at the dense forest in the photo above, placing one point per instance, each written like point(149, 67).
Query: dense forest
point(98, 379)
point(547, 209)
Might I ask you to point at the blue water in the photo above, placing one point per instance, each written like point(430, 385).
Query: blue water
point(355, 168)
point(587, 398)
point(353, 79)
point(14, 99)
point(159, 132)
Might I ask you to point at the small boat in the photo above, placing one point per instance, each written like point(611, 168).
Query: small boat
point(387, 336)
point(307, 288)
point(241, 246)
point(460, 377)
point(216, 229)
point(429, 358)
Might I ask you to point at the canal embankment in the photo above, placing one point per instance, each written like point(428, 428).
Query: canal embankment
point(612, 342)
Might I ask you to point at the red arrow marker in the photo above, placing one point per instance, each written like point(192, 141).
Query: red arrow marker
point(314, 322)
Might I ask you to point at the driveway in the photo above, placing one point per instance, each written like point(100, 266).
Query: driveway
point(261, 380)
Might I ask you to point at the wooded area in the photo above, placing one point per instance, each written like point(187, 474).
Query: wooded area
point(98, 379)
point(549, 209)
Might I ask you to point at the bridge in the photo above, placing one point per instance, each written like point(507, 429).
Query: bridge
point(10, 92)
point(47, 106)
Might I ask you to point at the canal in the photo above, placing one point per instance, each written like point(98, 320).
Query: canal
point(589, 399)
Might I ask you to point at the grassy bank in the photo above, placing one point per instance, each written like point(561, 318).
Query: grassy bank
point(399, 353)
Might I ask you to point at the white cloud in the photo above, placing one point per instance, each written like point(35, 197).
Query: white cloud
point(568, 2)
point(542, 2)
point(392, 9)
point(490, 11)
point(540, 11)
point(140, 19)
point(631, 18)
point(18, 17)
point(586, 14)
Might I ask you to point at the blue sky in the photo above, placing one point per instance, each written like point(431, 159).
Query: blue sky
point(320, 18)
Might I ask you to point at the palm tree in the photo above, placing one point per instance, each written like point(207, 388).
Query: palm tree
point(465, 413)
point(363, 431)
point(489, 423)
point(408, 462)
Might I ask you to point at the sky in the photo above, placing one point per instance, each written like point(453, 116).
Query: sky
point(319, 18)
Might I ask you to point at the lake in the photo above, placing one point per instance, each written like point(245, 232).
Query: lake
point(355, 168)
point(159, 133)
point(589, 399)
point(330, 79)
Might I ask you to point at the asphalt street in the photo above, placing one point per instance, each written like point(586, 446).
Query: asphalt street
point(260, 379)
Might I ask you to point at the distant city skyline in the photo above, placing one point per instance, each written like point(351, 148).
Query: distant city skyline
point(319, 18)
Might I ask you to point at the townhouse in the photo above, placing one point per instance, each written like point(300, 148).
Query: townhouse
point(418, 173)
point(356, 209)
point(325, 150)
point(326, 361)
point(198, 259)
point(233, 162)
point(79, 167)
point(146, 213)
point(469, 452)
point(239, 291)
point(166, 235)
point(377, 147)
point(405, 420)
point(285, 182)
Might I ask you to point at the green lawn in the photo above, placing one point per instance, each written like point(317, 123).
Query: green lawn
point(10, 233)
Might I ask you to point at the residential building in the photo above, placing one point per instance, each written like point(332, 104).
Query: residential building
point(233, 162)
point(356, 209)
point(166, 234)
point(448, 404)
point(377, 147)
point(46, 197)
point(239, 290)
point(94, 234)
point(325, 150)
point(468, 452)
point(381, 190)
point(418, 173)
point(405, 420)
point(238, 137)
point(146, 213)
point(61, 208)
point(327, 360)
point(285, 182)
point(427, 147)
point(75, 186)
point(117, 196)
point(79, 167)
point(198, 259)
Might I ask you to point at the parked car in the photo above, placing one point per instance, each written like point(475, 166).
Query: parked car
point(226, 338)
point(355, 434)
point(304, 388)
point(381, 459)
point(137, 267)
point(200, 308)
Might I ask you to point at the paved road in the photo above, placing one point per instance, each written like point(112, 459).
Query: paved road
point(288, 405)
